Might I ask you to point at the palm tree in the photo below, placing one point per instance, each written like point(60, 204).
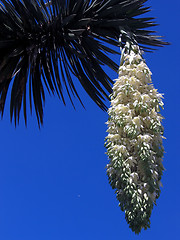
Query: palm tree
point(48, 44)
point(44, 43)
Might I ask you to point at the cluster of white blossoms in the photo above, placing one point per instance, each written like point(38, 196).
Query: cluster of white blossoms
point(134, 141)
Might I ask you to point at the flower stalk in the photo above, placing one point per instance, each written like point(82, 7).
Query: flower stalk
point(134, 141)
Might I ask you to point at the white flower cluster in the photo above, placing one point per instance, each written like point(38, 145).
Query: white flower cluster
point(134, 141)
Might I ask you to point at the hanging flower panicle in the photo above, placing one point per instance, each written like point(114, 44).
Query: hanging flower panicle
point(134, 141)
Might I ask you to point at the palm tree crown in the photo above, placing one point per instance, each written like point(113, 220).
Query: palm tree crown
point(45, 43)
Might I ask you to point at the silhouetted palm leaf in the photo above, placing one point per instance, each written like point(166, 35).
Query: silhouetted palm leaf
point(44, 43)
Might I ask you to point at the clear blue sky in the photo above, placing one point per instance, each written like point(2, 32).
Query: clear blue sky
point(53, 183)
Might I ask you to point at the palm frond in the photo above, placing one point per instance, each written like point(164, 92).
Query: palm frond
point(45, 43)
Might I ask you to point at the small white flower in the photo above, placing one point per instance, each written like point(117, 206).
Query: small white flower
point(144, 138)
point(135, 177)
point(137, 121)
point(146, 98)
point(146, 196)
point(122, 149)
point(139, 191)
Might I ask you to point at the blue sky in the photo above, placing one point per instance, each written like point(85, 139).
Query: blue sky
point(53, 183)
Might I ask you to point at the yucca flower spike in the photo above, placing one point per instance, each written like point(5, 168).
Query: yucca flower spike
point(51, 44)
point(134, 141)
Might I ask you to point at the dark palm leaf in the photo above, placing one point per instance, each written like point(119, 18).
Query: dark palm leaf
point(44, 43)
